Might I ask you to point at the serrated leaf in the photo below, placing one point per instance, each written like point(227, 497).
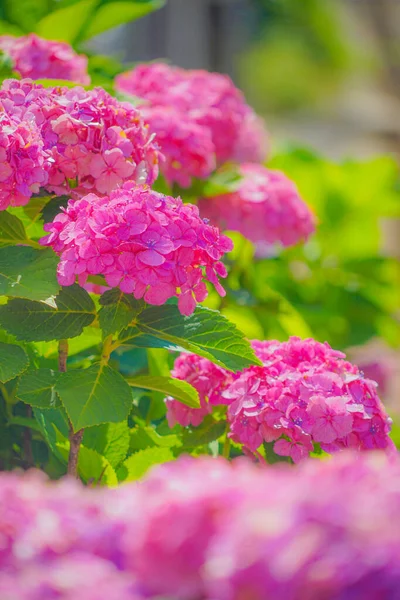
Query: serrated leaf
point(94, 396)
point(139, 463)
point(112, 14)
point(13, 361)
point(37, 388)
point(206, 333)
point(117, 311)
point(180, 390)
point(28, 273)
point(12, 230)
point(32, 321)
point(205, 433)
point(110, 440)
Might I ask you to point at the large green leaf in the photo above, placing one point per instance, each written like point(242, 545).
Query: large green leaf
point(13, 361)
point(136, 465)
point(12, 230)
point(94, 396)
point(36, 387)
point(66, 23)
point(111, 14)
point(206, 332)
point(36, 321)
point(117, 310)
point(110, 440)
point(28, 273)
point(180, 390)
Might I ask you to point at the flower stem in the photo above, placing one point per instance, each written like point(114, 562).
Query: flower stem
point(75, 438)
point(227, 445)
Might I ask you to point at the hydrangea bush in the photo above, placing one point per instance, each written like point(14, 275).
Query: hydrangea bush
point(145, 237)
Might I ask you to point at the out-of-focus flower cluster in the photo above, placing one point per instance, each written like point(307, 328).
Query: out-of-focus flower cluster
point(80, 141)
point(304, 394)
point(37, 58)
point(266, 208)
point(208, 119)
point(143, 242)
point(200, 529)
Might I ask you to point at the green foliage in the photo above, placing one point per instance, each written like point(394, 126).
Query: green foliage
point(70, 311)
point(117, 311)
point(28, 273)
point(139, 463)
point(205, 332)
point(180, 390)
point(110, 440)
point(94, 396)
point(37, 388)
point(13, 361)
point(73, 21)
point(12, 230)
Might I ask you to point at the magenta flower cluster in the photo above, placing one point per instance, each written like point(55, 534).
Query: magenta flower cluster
point(81, 142)
point(36, 58)
point(206, 529)
point(197, 104)
point(304, 394)
point(266, 208)
point(147, 244)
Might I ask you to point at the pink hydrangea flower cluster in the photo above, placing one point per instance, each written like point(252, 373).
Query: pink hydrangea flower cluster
point(201, 529)
point(304, 394)
point(37, 58)
point(187, 147)
point(266, 208)
point(147, 244)
point(21, 161)
point(209, 380)
point(90, 141)
point(231, 130)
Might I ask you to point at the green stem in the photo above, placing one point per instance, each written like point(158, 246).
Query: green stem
point(227, 445)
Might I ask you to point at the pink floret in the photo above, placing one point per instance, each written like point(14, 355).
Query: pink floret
point(89, 140)
point(147, 244)
point(305, 394)
point(209, 100)
point(266, 208)
point(37, 58)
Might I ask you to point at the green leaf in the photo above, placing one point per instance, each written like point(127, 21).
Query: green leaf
point(28, 273)
point(111, 14)
point(12, 230)
point(52, 208)
point(37, 388)
point(205, 433)
point(110, 440)
point(147, 437)
point(92, 466)
point(206, 332)
point(94, 396)
point(180, 390)
point(117, 311)
point(139, 463)
point(36, 321)
point(66, 23)
point(13, 361)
